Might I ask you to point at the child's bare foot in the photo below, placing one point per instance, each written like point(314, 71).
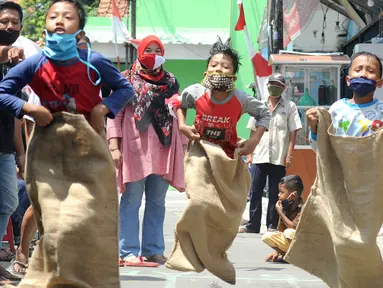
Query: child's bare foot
point(19, 267)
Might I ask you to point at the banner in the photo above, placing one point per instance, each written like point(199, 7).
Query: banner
point(297, 14)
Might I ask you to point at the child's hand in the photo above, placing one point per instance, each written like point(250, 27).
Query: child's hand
point(279, 207)
point(20, 164)
point(96, 118)
point(247, 147)
point(272, 257)
point(40, 114)
point(190, 132)
point(312, 119)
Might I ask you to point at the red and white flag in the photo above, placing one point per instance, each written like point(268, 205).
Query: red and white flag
point(261, 67)
point(118, 27)
point(297, 14)
point(120, 30)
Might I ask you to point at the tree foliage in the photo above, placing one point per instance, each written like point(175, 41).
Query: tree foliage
point(34, 15)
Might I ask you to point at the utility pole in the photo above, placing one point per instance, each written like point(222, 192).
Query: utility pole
point(130, 50)
point(277, 26)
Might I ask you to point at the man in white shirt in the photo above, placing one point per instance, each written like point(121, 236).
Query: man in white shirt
point(272, 155)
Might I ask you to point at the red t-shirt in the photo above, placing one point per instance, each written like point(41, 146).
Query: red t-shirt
point(217, 121)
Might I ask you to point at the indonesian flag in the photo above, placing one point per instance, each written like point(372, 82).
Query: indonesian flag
point(119, 30)
point(261, 68)
point(118, 27)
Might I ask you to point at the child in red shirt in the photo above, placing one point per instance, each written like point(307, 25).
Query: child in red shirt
point(219, 106)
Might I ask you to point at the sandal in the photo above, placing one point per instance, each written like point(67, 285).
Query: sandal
point(136, 261)
point(23, 267)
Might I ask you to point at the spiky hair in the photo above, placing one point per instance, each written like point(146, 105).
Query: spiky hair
point(225, 48)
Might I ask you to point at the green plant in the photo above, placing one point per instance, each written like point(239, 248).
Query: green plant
point(34, 18)
point(34, 15)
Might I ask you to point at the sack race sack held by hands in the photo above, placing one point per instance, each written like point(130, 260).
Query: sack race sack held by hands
point(336, 236)
point(71, 182)
point(217, 187)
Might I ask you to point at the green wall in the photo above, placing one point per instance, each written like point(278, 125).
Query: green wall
point(187, 72)
point(183, 13)
point(253, 13)
point(172, 14)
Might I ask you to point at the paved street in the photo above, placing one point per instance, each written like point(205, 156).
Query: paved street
point(247, 253)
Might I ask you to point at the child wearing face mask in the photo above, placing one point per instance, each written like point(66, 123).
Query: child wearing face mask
point(64, 76)
point(219, 105)
point(69, 79)
point(273, 154)
point(289, 208)
point(361, 115)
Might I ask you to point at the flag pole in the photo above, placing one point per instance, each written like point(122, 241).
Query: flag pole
point(133, 19)
point(118, 56)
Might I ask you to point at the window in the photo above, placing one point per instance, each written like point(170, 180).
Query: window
point(308, 87)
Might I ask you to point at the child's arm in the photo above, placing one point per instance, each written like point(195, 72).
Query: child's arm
point(122, 91)
point(189, 131)
point(19, 148)
point(187, 99)
point(287, 221)
point(13, 82)
point(312, 120)
point(261, 113)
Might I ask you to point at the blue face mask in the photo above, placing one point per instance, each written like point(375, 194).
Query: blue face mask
point(362, 86)
point(63, 47)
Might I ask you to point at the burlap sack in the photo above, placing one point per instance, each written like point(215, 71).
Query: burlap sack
point(71, 182)
point(336, 237)
point(217, 188)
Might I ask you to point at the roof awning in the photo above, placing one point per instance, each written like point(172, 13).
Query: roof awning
point(99, 29)
point(305, 59)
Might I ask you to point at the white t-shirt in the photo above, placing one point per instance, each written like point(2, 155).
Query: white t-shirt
point(32, 99)
point(357, 120)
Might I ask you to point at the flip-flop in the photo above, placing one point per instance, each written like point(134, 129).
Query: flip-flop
point(139, 263)
point(23, 267)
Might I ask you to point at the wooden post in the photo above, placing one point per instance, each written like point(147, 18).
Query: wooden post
point(130, 50)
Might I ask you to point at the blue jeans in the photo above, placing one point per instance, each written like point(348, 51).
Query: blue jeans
point(260, 172)
point(8, 190)
point(153, 242)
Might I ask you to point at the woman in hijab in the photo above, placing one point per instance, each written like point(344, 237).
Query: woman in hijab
point(146, 146)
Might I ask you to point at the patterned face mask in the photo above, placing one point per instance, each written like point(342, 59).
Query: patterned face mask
point(219, 82)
